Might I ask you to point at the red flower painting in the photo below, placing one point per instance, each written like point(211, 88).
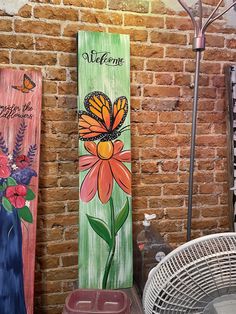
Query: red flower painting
point(105, 163)
point(16, 194)
point(4, 169)
point(22, 161)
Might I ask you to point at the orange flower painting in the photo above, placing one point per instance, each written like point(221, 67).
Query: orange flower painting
point(105, 163)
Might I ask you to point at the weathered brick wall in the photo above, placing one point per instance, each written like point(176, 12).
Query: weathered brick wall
point(43, 36)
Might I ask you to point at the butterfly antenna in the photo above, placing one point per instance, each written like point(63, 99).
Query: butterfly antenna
point(125, 128)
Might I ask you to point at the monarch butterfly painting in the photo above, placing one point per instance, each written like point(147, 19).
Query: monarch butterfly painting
point(28, 85)
point(102, 120)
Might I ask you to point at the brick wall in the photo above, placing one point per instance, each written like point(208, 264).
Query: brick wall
point(43, 36)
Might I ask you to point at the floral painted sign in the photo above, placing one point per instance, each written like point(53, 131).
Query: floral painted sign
point(105, 242)
point(20, 111)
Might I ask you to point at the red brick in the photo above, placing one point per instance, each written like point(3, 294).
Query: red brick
point(101, 17)
point(37, 27)
point(206, 67)
point(25, 11)
point(96, 4)
point(58, 44)
point(160, 153)
point(183, 53)
point(6, 25)
point(179, 23)
point(135, 34)
point(155, 91)
point(36, 58)
point(168, 38)
point(71, 30)
point(177, 117)
point(219, 54)
point(148, 129)
point(154, 104)
point(4, 56)
point(164, 66)
point(148, 51)
point(140, 6)
point(16, 41)
point(164, 79)
point(55, 13)
point(173, 141)
point(143, 78)
point(143, 21)
point(231, 43)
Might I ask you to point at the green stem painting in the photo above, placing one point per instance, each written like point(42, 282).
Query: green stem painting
point(109, 234)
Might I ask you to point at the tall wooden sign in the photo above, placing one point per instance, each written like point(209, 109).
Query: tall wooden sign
point(105, 232)
point(20, 119)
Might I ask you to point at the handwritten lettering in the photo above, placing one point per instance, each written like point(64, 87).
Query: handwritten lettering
point(14, 111)
point(102, 57)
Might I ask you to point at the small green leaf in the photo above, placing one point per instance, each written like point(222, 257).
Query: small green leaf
point(2, 188)
point(101, 228)
point(122, 216)
point(11, 182)
point(30, 195)
point(25, 214)
point(6, 204)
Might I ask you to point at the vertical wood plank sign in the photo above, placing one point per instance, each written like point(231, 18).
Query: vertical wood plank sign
point(20, 118)
point(105, 232)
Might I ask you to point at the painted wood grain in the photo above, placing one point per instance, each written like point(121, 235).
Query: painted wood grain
point(105, 229)
point(20, 121)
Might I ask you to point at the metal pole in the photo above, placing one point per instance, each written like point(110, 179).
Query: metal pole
point(198, 46)
point(193, 141)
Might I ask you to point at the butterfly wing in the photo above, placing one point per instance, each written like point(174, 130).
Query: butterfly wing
point(18, 87)
point(120, 110)
point(100, 106)
point(28, 83)
point(27, 86)
point(90, 127)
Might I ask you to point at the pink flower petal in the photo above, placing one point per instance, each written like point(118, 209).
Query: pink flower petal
point(10, 191)
point(124, 156)
point(19, 202)
point(86, 162)
point(4, 171)
point(121, 174)
point(91, 147)
point(12, 200)
point(21, 190)
point(89, 185)
point(3, 160)
point(118, 146)
point(105, 182)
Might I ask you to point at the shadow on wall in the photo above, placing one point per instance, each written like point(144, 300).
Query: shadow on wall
point(12, 7)
point(230, 16)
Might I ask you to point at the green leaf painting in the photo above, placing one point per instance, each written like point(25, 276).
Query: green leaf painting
point(101, 228)
point(25, 214)
point(122, 216)
point(105, 237)
point(30, 195)
point(6, 204)
point(11, 182)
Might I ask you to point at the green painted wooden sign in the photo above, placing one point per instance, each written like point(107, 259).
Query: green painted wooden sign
point(105, 228)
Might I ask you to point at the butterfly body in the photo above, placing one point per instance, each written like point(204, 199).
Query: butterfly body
point(28, 85)
point(102, 120)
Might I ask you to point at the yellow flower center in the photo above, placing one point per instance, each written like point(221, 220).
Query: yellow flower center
point(105, 150)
